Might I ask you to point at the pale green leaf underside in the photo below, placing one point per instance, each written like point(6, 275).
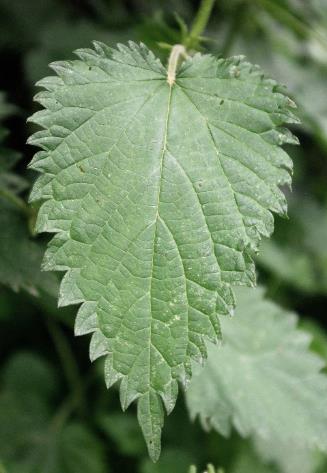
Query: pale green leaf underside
point(263, 381)
point(158, 196)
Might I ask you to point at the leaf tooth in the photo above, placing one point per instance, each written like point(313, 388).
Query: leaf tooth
point(50, 263)
point(38, 156)
point(291, 103)
point(136, 47)
point(284, 116)
point(123, 48)
point(86, 319)
point(250, 271)
point(193, 350)
point(102, 49)
point(41, 189)
point(87, 54)
point(42, 118)
point(286, 136)
point(71, 72)
point(142, 50)
point(279, 205)
point(110, 374)
point(225, 304)
point(187, 373)
point(98, 345)
point(44, 140)
point(69, 292)
point(61, 67)
point(198, 342)
point(127, 393)
point(42, 218)
point(36, 136)
point(43, 222)
point(50, 83)
point(169, 395)
point(47, 100)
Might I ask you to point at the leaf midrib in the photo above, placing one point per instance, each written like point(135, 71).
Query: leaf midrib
point(162, 157)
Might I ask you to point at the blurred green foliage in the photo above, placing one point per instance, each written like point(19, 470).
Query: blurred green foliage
point(55, 413)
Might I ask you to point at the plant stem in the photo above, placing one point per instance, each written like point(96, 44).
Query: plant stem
point(17, 201)
point(191, 41)
point(200, 22)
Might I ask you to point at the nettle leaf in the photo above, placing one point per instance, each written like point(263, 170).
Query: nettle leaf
point(263, 381)
point(158, 195)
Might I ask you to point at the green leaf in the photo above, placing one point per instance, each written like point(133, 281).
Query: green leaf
point(263, 381)
point(159, 196)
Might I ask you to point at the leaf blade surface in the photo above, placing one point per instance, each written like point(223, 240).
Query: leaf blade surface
point(158, 196)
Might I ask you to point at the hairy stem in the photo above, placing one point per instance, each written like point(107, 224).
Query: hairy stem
point(200, 22)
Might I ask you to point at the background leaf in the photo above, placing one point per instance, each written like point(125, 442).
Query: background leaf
point(264, 382)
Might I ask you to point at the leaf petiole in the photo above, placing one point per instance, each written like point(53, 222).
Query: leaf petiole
point(178, 50)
